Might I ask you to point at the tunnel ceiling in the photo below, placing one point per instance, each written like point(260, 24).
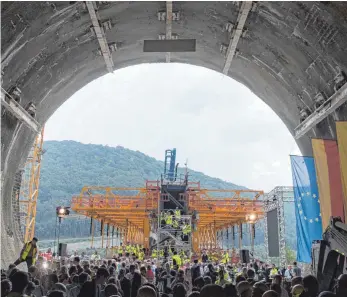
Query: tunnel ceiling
point(288, 52)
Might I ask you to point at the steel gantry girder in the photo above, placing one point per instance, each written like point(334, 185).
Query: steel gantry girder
point(134, 207)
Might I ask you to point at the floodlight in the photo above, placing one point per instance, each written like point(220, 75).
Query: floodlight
point(62, 211)
point(251, 217)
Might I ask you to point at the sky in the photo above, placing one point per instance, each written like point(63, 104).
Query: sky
point(214, 122)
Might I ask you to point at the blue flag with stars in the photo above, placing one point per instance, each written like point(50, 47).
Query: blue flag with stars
point(307, 208)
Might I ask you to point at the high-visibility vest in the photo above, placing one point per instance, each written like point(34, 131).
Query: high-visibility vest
point(178, 214)
point(225, 258)
point(273, 271)
point(177, 259)
point(187, 229)
point(26, 251)
point(169, 220)
point(175, 224)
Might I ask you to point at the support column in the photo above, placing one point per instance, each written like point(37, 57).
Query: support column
point(92, 233)
point(102, 234)
point(252, 237)
point(195, 240)
point(146, 233)
point(240, 237)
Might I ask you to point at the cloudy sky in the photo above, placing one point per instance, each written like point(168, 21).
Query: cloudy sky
point(216, 123)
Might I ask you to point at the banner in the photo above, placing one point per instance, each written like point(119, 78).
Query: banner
point(327, 161)
point(341, 128)
point(307, 210)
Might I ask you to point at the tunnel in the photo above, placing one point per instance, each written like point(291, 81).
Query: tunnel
point(287, 54)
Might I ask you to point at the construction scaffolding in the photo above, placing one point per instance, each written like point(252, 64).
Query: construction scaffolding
point(136, 212)
point(276, 200)
point(26, 188)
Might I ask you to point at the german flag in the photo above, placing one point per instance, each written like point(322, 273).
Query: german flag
point(328, 170)
point(341, 128)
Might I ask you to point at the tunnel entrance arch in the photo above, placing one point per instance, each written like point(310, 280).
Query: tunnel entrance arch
point(287, 53)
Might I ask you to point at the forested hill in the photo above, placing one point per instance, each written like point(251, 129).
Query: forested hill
point(67, 166)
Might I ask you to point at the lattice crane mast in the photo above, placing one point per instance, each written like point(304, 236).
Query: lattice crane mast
point(29, 188)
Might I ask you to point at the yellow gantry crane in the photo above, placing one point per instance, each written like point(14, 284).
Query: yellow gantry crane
point(29, 189)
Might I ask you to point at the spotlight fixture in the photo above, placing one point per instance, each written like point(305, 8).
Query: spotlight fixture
point(251, 218)
point(62, 211)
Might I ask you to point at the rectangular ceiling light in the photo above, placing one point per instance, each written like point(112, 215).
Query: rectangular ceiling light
point(173, 46)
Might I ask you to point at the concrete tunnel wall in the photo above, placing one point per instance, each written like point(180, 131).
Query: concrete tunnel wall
point(290, 52)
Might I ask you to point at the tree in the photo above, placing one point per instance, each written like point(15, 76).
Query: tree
point(290, 255)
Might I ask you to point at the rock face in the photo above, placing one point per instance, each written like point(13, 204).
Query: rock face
point(289, 52)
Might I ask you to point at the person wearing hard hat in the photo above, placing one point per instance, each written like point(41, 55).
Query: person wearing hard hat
point(28, 253)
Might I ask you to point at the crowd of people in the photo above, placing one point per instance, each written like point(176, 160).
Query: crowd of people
point(125, 275)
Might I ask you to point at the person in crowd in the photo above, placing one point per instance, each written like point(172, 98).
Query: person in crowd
point(179, 290)
point(87, 290)
point(212, 291)
point(131, 273)
point(207, 280)
point(273, 271)
point(56, 293)
point(108, 278)
point(135, 284)
point(143, 272)
point(270, 293)
point(259, 288)
point(147, 291)
point(244, 289)
point(28, 253)
point(180, 279)
point(277, 279)
point(102, 275)
point(6, 287)
point(29, 290)
point(204, 257)
point(311, 286)
point(20, 281)
point(296, 269)
point(230, 290)
point(111, 290)
point(251, 276)
point(150, 274)
point(211, 273)
point(341, 286)
point(125, 283)
point(195, 270)
point(297, 290)
point(75, 290)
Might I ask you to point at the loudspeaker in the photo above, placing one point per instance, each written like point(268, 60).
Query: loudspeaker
point(62, 250)
point(244, 255)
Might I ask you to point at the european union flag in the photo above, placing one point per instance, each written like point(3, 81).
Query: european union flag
point(307, 208)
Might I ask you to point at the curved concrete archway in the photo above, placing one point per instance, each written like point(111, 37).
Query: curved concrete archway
point(288, 53)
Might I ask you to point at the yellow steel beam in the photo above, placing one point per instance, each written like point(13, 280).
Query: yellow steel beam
point(30, 186)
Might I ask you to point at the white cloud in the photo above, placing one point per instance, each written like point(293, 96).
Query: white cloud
point(220, 126)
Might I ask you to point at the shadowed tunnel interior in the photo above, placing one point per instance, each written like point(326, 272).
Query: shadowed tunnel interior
point(287, 54)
